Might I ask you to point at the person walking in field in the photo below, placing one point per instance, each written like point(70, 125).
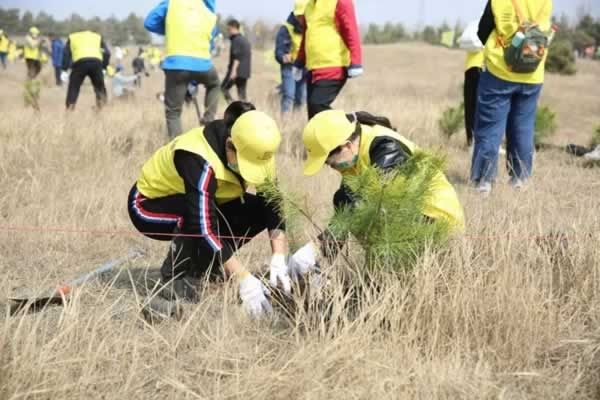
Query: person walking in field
point(87, 55)
point(349, 144)
point(197, 186)
point(4, 43)
point(57, 48)
point(32, 53)
point(330, 50)
point(240, 63)
point(287, 46)
point(189, 27)
point(517, 34)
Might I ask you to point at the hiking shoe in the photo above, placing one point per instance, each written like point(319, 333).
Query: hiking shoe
point(593, 155)
point(484, 188)
point(183, 289)
point(517, 183)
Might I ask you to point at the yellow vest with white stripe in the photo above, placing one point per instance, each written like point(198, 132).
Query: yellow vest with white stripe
point(3, 44)
point(507, 24)
point(189, 27)
point(475, 59)
point(160, 178)
point(85, 45)
point(31, 50)
point(296, 40)
point(444, 202)
point(324, 45)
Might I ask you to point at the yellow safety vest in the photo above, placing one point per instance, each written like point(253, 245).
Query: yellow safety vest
point(160, 178)
point(12, 51)
point(85, 45)
point(189, 27)
point(296, 40)
point(3, 44)
point(444, 201)
point(323, 43)
point(475, 59)
point(507, 24)
point(32, 49)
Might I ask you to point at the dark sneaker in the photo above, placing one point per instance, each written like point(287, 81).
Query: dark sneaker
point(182, 289)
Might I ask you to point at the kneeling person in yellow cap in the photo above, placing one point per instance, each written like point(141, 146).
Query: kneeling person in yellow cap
point(351, 143)
point(196, 186)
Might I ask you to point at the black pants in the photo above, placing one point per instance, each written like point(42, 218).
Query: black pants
point(470, 99)
point(82, 69)
point(159, 219)
point(176, 83)
point(34, 67)
point(321, 94)
point(241, 85)
point(57, 72)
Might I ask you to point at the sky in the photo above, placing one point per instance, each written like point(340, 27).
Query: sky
point(405, 11)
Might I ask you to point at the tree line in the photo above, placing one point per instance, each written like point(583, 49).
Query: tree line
point(129, 30)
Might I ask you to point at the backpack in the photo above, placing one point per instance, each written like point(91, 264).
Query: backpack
point(526, 56)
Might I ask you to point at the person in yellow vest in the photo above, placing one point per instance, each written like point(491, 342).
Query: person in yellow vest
point(4, 42)
point(196, 186)
point(350, 143)
point(32, 53)
point(287, 46)
point(86, 55)
point(12, 51)
point(516, 34)
point(186, 60)
point(330, 50)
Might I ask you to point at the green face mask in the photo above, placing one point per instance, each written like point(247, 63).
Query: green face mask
point(346, 164)
point(234, 167)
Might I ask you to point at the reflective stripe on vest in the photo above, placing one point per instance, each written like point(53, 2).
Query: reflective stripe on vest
point(475, 59)
point(85, 45)
point(507, 24)
point(189, 27)
point(31, 50)
point(325, 47)
point(296, 40)
point(444, 201)
point(159, 177)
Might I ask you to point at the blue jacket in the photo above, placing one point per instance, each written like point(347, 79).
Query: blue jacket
point(155, 23)
point(283, 43)
point(57, 52)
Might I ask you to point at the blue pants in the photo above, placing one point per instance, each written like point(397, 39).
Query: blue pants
point(293, 94)
point(3, 59)
point(504, 108)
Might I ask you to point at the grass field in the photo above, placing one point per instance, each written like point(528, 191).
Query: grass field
point(495, 316)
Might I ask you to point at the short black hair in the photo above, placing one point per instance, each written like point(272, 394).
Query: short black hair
point(235, 110)
point(234, 23)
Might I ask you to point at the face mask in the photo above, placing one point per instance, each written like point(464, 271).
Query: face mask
point(346, 164)
point(234, 167)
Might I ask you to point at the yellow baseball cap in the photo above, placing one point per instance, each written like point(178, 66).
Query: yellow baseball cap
point(299, 7)
point(34, 31)
point(323, 133)
point(256, 139)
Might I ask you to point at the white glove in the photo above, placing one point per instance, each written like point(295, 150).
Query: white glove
point(64, 77)
point(297, 73)
point(303, 261)
point(355, 71)
point(254, 296)
point(279, 273)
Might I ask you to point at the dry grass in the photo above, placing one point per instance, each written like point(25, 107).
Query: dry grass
point(494, 316)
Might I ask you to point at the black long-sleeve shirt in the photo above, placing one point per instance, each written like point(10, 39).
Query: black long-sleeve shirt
point(200, 194)
point(67, 60)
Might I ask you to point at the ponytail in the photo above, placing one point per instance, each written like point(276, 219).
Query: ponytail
point(365, 118)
